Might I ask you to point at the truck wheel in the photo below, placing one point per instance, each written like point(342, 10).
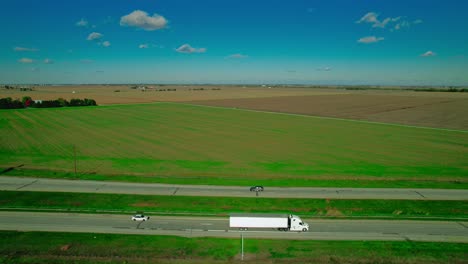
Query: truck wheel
point(304, 229)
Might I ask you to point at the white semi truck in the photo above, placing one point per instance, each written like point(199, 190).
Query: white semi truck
point(282, 222)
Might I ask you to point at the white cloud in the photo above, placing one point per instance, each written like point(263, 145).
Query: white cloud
point(237, 56)
point(324, 69)
point(402, 24)
point(106, 44)
point(147, 46)
point(405, 24)
point(94, 36)
point(82, 23)
point(186, 48)
point(397, 23)
point(373, 18)
point(141, 19)
point(382, 24)
point(428, 54)
point(24, 49)
point(48, 61)
point(370, 39)
point(25, 60)
point(370, 17)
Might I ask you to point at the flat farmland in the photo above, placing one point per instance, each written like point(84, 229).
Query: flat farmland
point(175, 143)
point(429, 109)
point(438, 110)
point(123, 94)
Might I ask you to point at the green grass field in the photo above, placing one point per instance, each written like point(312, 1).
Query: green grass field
point(203, 145)
point(42, 247)
point(181, 205)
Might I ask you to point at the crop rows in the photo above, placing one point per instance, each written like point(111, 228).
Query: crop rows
point(180, 140)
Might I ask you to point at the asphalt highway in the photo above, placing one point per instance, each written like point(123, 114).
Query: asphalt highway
point(441, 231)
point(58, 185)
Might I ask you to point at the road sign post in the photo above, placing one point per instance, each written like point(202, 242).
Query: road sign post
point(242, 246)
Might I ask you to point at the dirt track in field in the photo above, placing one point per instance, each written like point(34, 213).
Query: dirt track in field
point(431, 111)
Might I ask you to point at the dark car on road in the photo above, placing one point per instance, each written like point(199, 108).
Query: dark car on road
point(256, 188)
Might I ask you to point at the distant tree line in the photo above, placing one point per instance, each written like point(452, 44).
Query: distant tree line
point(451, 89)
point(145, 88)
point(9, 103)
point(163, 90)
point(21, 88)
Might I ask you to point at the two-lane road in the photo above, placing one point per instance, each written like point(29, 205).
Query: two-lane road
point(57, 185)
point(219, 227)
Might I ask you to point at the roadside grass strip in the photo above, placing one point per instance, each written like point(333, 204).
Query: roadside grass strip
point(293, 181)
point(186, 205)
point(50, 248)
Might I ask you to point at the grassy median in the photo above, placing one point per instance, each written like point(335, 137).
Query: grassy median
point(43, 247)
point(291, 181)
point(398, 209)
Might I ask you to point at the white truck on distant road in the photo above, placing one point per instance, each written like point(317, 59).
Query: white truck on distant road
point(281, 222)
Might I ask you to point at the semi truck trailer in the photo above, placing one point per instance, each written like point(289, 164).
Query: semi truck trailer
point(281, 222)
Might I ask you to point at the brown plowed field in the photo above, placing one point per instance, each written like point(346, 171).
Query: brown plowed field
point(431, 109)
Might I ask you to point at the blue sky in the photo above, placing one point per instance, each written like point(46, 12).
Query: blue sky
point(181, 41)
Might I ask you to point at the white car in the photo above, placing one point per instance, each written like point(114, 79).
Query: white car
point(140, 217)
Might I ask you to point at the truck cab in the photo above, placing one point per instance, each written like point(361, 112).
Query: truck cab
point(296, 224)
